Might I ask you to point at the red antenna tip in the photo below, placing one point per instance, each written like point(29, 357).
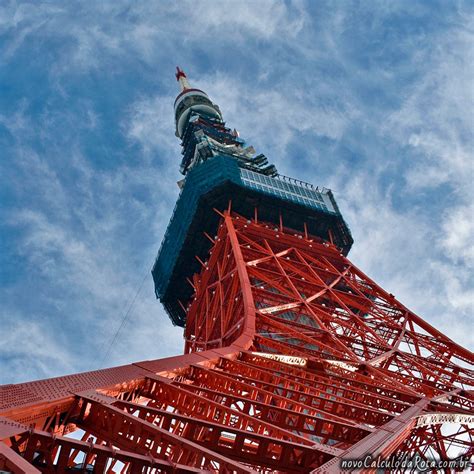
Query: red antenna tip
point(179, 73)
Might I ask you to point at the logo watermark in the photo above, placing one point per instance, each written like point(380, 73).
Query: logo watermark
point(416, 463)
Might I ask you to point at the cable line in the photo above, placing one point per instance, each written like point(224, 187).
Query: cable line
point(124, 320)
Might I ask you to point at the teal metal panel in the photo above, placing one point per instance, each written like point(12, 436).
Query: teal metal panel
point(199, 180)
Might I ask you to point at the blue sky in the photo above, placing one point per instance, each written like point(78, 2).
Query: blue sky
point(371, 99)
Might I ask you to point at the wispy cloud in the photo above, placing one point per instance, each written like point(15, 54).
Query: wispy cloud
point(373, 101)
point(28, 350)
point(150, 124)
point(71, 223)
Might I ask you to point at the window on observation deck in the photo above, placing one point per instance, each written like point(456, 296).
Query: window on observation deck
point(285, 190)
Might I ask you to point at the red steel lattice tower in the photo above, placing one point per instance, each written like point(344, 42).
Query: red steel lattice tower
point(295, 360)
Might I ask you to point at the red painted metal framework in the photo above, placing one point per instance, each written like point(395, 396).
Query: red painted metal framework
point(294, 361)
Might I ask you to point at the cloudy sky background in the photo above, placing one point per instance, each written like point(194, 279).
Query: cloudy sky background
point(372, 99)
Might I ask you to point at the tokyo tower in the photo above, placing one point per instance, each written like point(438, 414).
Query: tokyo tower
point(294, 360)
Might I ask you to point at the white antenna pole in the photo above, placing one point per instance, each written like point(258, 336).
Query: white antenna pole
point(182, 79)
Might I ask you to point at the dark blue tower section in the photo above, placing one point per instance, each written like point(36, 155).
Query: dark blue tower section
point(220, 170)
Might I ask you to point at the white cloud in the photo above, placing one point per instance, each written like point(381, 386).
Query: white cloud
point(82, 260)
point(457, 236)
point(263, 19)
point(436, 122)
point(395, 248)
point(31, 350)
point(283, 77)
point(150, 123)
point(92, 33)
point(436, 116)
point(272, 119)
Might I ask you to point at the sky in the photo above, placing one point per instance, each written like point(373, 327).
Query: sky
point(373, 99)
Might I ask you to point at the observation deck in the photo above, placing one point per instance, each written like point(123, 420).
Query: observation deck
point(285, 203)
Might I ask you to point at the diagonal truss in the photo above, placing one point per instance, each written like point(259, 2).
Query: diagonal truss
point(294, 361)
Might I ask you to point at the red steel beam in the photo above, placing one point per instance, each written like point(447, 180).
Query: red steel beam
point(366, 369)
